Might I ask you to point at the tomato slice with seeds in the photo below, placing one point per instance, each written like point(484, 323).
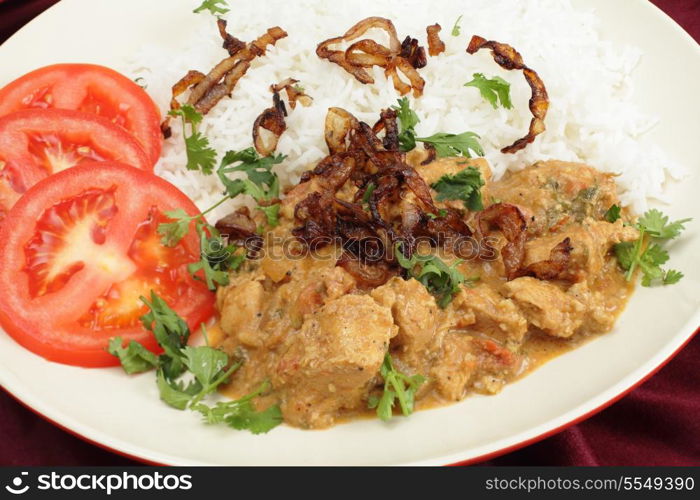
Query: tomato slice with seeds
point(77, 252)
point(92, 89)
point(37, 143)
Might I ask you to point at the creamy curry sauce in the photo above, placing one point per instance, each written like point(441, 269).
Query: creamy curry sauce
point(304, 324)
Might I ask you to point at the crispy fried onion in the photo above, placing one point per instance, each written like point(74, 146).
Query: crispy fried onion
point(269, 126)
point(509, 58)
point(238, 227)
point(207, 90)
point(435, 45)
point(511, 222)
point(392, 203)
point(294, 92)
point(556, 267)
point(404, 57)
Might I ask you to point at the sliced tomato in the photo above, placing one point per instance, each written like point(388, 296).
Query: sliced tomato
point(37, 143)
point(79, 249)
point(92, 89)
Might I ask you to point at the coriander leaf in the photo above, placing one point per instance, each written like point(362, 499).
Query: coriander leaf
point(654, 255)
point(188, 114)
point(205, 363)
point(613, 213)
point(240, 414)
point(261, 183)
point(657, 225)
point(200, 156)
point(173, 395)
point(216, 257)
point(494, 90)
point(672, 276)
point(135, 358)
point(208, 365)
point(170, 330)
point(397, 386)
point(633, 255)
point(213, 6)
point(465, 186)
point(625, 254)
point(454, 144)
point(408, 119)
point(271, 213)
point(441, 280)
point(173, 232)
point(456, 29)
point(368, 192)
point(257, 422)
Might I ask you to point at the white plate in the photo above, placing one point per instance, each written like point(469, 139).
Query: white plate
point(106, 407)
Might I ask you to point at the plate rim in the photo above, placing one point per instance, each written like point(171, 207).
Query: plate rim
point(683, 337)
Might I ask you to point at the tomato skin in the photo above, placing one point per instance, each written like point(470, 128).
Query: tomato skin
point(21, 167)
point(93, 89)
point(49, 325)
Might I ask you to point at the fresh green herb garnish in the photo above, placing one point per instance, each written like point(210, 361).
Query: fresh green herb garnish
point(240, 414)
point(646, 254)
point(444, 144)
point(217, 257)
point(170, 330)
point(213, 6)
point(494, 90)
point(134, 358)
point(369, 189)
point(456, 30)
point(672, 276)
point(186, 374)
point(465, 185)
point(454, 144)
point(261, 183)
point(613, 213)
point(408, 119)
point(657, 225)
point(440, 213)
point(397, 386)
point(441, 280)
point(200, 156)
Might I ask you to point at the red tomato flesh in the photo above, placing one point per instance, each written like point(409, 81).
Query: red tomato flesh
point(78, 251)
point(91, 89)
point(37, 143)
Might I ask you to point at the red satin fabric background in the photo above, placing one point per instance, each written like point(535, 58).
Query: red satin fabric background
point(656, 424)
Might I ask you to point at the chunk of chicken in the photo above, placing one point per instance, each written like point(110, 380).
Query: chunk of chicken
point(329, 363)
point(453, 371)
point(591, 242)
point(546, 306)
point(241, 304)
point(470, 362)
point(553, 193)
point(419, 321)
point(485, 310)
